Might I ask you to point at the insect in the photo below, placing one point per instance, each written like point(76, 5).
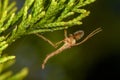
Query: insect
point(69, 41)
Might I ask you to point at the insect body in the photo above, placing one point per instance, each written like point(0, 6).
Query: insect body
point(69, 41)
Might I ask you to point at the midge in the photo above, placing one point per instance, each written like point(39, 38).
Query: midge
point(69, 41)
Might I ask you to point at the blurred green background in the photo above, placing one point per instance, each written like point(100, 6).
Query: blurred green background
point(96, 59)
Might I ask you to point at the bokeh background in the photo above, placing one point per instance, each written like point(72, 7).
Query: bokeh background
point(96, 59)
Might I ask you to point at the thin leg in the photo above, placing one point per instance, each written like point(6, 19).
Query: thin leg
point(58, 43)
point(50, 42)
point(65, 33)
point(89, 36)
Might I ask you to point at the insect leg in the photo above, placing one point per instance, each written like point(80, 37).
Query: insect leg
point(50, 42)
point(58, 43)
point(65, 33)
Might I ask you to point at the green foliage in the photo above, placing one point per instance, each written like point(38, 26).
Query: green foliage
point(8, 75)
point(36, 16)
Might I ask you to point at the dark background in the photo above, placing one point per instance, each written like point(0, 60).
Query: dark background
point(96, 59)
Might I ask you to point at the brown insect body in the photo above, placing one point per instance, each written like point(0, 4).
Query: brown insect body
point(69, 41)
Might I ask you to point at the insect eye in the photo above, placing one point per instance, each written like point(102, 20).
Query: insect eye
point(78, 35)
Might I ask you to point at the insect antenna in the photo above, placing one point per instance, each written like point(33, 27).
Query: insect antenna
point(89, 36)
